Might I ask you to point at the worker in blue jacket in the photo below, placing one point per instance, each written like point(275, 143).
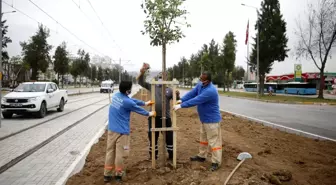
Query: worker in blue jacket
point(119, 129)
point(205, 97)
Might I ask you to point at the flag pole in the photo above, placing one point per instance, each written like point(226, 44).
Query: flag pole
point(247, 48)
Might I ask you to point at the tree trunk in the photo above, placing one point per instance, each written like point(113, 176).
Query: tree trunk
point(164, 99)
point(62, 81)
point(261, 84)
point(34, 74)
point(224, 81)
point(228, 81)
point(320, 94)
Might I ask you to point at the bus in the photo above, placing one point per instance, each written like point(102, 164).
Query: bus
point(238, 84)
point(252, 87)
point(298, 88)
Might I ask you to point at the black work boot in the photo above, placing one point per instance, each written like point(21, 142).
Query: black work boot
point(197, 158)
point(214, 167)
point(107, 178)
point(118, 178)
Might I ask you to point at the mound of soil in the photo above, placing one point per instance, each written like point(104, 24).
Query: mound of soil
point(278, 157)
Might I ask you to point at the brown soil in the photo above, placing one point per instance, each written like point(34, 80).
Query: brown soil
point(278, 157)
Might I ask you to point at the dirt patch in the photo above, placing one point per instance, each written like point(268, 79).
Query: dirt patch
point(278, 157)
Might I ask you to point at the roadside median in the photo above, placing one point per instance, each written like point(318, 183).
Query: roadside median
point(280, 99)
point(277, 98)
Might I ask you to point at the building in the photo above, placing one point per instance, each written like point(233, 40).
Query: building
point(311, 77)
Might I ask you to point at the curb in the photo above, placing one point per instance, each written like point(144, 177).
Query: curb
point(80, 160)
point(281, 127)
point(79, 93)
point(283, 102)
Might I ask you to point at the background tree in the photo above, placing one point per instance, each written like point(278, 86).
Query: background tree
point(100, 74)
point(94, 72)
point(17, 66)
point(272, 39)
point(61, 62)
point(36, 51)
point(5, 40)
point(317, 36)
point(229, 56)
point(75, 70)
point(83, 61)
point(238, 73)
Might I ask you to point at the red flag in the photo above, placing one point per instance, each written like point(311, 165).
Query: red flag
point(247, 32)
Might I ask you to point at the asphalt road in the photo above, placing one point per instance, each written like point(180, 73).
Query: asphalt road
point(320, 120)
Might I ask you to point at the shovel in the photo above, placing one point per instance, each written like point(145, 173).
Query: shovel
point(241, 157)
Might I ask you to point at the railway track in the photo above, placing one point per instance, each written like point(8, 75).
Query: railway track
point(38, 146)
point(51, 119)
point(77, 100)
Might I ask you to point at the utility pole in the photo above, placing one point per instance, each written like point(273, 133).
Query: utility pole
point(258, 86)
point(91, 78)
point(0, 60)
point(183, 73)
point(119, 70)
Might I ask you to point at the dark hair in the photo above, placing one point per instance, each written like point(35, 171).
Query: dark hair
point(125, 86)
point(208, 74)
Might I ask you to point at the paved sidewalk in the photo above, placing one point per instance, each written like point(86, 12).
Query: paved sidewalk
point(47, 165)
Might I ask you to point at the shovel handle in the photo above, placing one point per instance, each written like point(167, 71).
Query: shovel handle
point(234, 170)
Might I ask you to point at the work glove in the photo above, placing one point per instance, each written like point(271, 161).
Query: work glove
point(149, 103)
point(176, 107)
point(152, 114)
point(179, 102)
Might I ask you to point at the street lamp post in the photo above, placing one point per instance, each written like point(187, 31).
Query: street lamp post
point(1, 71)
point(257, 79)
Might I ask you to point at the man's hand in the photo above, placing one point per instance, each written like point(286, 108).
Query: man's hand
point(176, 107)
point(152, 114)
point(178, 102)
point(149, 103)
point(144, 68)
point(177, 93)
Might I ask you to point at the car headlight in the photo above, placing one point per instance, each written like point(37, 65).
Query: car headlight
point(3, 100)
point(32, 99)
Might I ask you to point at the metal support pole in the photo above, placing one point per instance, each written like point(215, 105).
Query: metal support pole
point(258, 86)
point(183, 75)
point(119, 70)
point(91, 79)
point(248, 58)
point(1, 71)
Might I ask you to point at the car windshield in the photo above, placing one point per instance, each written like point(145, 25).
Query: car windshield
point(30, 88)
point(106, 85)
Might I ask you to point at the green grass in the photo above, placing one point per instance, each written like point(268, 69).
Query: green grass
point(279, 98)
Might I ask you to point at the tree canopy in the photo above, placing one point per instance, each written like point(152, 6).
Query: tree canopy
point(61, 61)
point(36, 51)
point(317, 35)
point(272, 39)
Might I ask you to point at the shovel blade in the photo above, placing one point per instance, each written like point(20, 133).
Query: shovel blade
point(244, 155)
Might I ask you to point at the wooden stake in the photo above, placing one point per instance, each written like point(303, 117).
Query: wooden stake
point(174, 126)
point(153, 126)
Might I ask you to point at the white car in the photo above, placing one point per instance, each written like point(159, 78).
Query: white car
point(33, 97)
point(107, 86)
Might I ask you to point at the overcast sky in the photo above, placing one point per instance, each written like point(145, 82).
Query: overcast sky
point(209, 19)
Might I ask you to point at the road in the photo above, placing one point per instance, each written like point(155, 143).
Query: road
point(326, 96)
point(82, 90)
point(320, 120)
